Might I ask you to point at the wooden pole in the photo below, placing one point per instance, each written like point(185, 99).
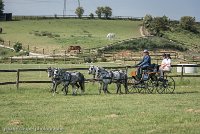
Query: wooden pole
point(17, 80)
point(10, 60)
point(54, 56)
point(126, 70)
point(34, 49)
point(44, 59)
point(65, 57)
point(22, 60)
point(9, 43)
point(43, 50)
point(182, 70)
point(28, 48)
point(36, 60)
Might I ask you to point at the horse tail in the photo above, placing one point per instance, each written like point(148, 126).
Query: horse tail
point(82, 82)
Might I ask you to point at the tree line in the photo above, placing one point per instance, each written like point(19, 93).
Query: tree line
point(156, 25)
point(101, 12)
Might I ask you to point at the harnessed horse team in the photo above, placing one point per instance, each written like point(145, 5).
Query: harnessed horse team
point(59, 76)
point(77, 80)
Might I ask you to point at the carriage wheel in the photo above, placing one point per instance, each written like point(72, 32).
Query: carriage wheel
point(151, 86)
point(131, 86)
point(160, 87)
point(142, 87)
point(170, 85)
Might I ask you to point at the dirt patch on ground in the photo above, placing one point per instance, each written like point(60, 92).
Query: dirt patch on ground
point(112, 116)
point(15, 122)
point(193, 110)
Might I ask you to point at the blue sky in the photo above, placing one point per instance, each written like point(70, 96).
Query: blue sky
point(136, 8)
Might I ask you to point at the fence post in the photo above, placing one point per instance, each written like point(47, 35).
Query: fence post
point(182, 70)
point(22, 60)
point(126, 70)
point(17, 81)
point(65, 57)
point(54, 56)
point(43, 50)
point(36, 60)
point(11, 60)
point(28, 48)
point(34, 49)
point(9, 43)
point(44, 60)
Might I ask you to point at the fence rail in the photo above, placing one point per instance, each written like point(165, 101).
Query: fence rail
point(17, 82)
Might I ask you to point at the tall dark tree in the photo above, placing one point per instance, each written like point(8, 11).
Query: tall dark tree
point(99, 12)
point(188, 23)
point(107, 11)
point(1, 6)
point(79, 12)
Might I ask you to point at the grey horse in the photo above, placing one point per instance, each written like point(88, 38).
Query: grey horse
point(75, 79)
point(106, 77)
point(120, 77)
point(55, 80)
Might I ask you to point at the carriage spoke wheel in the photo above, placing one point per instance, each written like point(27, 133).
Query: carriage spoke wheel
point(151, 86)
point(142, 87)
point(170, 83)
point(160, 87)
point(131, 86)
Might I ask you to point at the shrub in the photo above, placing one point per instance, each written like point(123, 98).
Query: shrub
point(1, 39)
point(87, 60)
point(94, 59)
point(103, 59)
point(17, 47)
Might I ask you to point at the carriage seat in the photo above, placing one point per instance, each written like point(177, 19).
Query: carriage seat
point(153, 68)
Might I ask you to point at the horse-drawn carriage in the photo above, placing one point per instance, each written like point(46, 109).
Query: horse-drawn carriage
point(149, 81)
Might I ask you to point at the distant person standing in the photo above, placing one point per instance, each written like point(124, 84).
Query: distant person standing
point(146, 62)
point(165, 65)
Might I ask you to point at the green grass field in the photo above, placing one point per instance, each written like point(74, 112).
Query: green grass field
point(86, 33)
point(33, 109)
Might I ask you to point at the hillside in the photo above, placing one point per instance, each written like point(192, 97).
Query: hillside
point(150, 43)
point(61, 33)
point(188, 39)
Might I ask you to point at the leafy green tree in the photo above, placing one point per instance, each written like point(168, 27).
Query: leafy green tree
point(188, 23)
point(99, 12)
point(1, 6)
point(156, 24)
point(147, 21)
point(107, 11)
point(79, 12)
point(161, 23)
